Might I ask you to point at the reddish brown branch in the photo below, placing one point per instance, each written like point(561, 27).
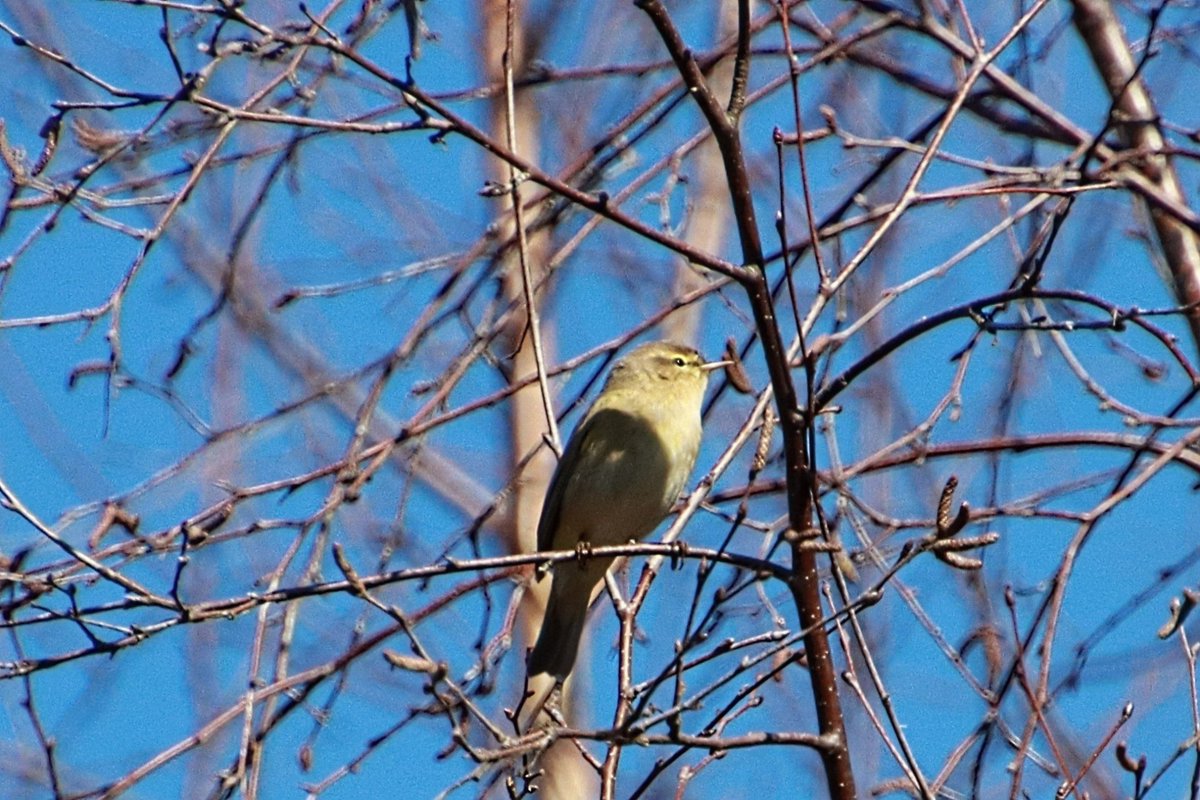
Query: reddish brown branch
point(804, 579)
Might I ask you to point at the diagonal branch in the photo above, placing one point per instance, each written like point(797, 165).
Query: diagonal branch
point(1137, 125)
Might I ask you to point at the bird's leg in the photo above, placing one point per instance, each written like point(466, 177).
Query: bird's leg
point(679, 552)
point(583, 551)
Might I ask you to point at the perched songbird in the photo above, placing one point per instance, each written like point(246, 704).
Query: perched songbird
point(622, 470)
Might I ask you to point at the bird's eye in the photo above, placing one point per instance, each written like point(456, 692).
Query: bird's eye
point(679, 362)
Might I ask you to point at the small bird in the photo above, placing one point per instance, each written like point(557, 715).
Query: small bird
point(621, 472)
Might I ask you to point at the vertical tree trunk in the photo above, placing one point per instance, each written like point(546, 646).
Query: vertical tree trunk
point(565, 773)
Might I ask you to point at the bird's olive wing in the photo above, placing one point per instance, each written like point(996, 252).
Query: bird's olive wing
point(612, 473)
point(567, 466)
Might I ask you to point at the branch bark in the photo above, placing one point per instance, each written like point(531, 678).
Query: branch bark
point(803, 582)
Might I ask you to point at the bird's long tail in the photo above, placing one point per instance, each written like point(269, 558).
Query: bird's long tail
point(562, 627)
